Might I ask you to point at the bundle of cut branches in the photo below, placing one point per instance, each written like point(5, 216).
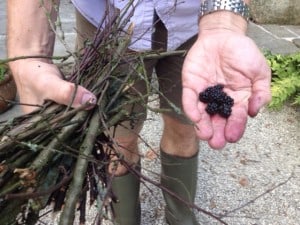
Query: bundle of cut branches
point(56, 153)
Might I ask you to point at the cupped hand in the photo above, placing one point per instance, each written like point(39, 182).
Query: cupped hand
point(224, 57)
point(38, 81)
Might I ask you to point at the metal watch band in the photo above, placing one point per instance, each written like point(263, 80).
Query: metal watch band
point(237, 6)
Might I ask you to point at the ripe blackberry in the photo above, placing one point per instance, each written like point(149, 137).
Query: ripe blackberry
point(212, 108)
point(204, 97)
point(217, 101)
point(218, 96)
point(228, 100)
point(219, 87)
point(211, 93)
point(224, 110)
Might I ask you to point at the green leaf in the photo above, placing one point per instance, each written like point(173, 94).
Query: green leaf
point(285, 83)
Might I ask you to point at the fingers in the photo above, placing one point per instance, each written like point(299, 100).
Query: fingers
point(228, 130)
point(236, 124)
point(195, 111)
point(259, 98)
point(218, 140)
point(215, 129)
point(219, 131)
point(61, 92)
point(203, 127)
point(190, 104)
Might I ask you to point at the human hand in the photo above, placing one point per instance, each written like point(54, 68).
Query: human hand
point(38, 81)
point(223, 56)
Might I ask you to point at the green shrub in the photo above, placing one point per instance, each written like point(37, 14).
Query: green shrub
point(3, 70)
point(285, 85)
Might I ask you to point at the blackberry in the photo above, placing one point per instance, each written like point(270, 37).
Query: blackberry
point(204, 97)
point(228, 100)
point(218, 96)
point(212, 108)
point(219, 87)
point(218, 102)
point(224, 110)
point(211, 94)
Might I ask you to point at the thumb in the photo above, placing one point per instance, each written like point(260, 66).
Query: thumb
point(67, 93)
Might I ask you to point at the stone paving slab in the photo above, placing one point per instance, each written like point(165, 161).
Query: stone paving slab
point(280, 31)
point(276, 38)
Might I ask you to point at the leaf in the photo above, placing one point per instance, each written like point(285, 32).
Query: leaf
point(285, 83)
point(297, 100)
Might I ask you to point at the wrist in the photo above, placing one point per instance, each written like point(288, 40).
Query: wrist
point(223, 20)
point(226, 14)
point(18, 67)
point(31, 46)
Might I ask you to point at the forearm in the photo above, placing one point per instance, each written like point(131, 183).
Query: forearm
point(223, 19)
point(28, 30)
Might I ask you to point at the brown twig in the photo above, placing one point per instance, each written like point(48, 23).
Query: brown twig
point(257, 197)
point(50, 190)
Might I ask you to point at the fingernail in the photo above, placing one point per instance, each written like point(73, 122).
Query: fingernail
point(88, 99)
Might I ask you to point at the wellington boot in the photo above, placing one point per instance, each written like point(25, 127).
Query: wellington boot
point(127, 209)
point(179, 176)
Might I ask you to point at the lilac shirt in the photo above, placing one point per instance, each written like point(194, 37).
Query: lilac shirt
point(179, 16)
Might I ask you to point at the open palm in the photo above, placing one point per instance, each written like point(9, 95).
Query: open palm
point(232, 60)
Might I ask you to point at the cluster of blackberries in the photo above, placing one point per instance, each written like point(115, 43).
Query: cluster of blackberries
point(218, 102)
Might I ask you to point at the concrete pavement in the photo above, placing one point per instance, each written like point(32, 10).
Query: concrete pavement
point(231, 181)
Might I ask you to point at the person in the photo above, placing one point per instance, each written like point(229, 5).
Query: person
point(219, 52)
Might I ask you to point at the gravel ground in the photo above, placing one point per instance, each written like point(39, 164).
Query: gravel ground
point(253, 182)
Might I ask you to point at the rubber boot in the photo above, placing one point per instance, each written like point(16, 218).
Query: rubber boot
point(179, 175)
point(127, 209)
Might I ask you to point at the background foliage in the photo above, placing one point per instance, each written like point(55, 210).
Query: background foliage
point(285, 84)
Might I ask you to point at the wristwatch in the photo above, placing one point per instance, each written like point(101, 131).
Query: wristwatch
point(237, 6)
